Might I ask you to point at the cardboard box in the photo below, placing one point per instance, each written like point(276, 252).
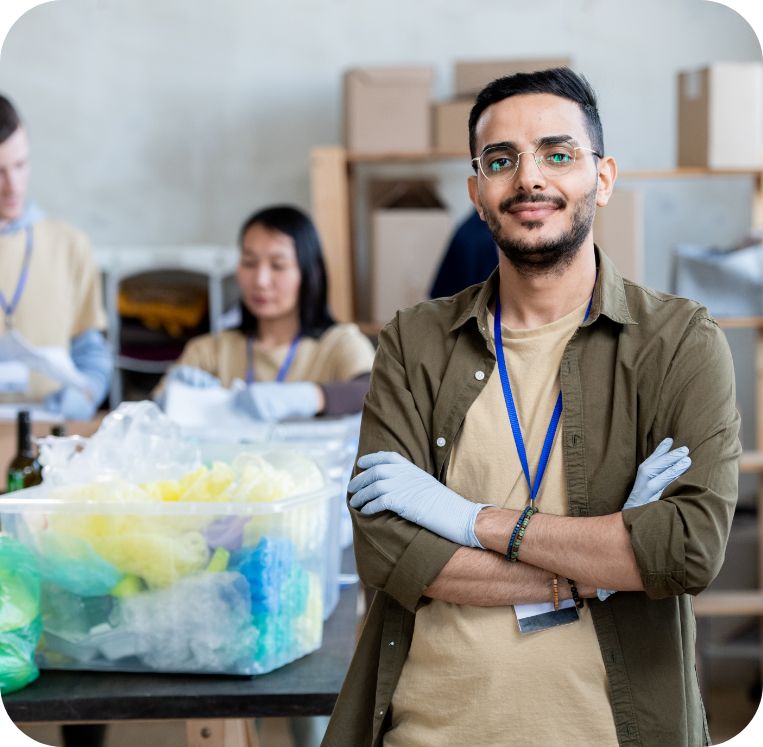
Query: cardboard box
point(410, 231)
point(618, 230)
point(388, 110)
point(472, 77)
point(720, 116)
point(451, 125)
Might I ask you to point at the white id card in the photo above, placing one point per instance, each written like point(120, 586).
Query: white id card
point(533, 617)
point(14, 377)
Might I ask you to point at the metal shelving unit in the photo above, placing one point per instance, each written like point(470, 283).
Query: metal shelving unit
point(216, 263)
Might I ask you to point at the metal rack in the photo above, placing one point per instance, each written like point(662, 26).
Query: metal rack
point(119, 263)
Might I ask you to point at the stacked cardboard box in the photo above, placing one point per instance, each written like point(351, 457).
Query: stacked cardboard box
point(388, 110)
point(410, 230)
point(720, 116)
point(451, 118)
point(618, 230)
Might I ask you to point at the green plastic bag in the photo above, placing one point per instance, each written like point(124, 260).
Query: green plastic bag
point(20, 622)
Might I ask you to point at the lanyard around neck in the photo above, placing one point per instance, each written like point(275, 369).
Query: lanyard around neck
point(9, 309)
point(285, 366)
point(514, 419)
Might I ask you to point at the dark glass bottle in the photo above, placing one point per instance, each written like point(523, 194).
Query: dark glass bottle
point(24, 471)
point(58, 430)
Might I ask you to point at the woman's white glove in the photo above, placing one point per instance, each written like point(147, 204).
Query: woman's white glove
point(273, 400)
point(193, 376)
point(654, 475)
point(392, 483)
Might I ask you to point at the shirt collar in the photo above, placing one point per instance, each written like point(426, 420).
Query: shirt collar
point(608, 297)
point(31, 215)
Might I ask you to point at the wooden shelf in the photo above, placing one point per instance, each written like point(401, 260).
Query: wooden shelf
point(686, 173)
point(751, 461)
point(428, 155)
point(741, 322)
point(433, 156)
point(726, 603)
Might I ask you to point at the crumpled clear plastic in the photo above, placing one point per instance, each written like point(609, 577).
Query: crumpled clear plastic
point(201, 623)
point(20, 624)
point(136, 442)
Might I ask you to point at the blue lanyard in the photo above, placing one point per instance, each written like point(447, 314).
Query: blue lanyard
point(285, 366)
point(515, 429)
point(9, 309)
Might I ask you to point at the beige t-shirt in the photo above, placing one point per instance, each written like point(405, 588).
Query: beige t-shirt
point(340, 354)
point(470, 676)
point(62, 296)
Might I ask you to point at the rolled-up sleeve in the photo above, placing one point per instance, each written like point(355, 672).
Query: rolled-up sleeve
point(680, 541)
point(394, 555)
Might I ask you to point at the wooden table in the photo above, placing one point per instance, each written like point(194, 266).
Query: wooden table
point(218, 709)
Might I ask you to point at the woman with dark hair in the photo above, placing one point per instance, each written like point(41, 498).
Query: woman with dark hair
point(296, 361)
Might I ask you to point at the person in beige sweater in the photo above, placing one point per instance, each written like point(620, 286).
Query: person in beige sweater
point(295, 360)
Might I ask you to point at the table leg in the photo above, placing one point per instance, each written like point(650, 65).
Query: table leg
point(232, 732)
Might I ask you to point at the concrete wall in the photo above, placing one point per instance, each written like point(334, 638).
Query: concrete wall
point(167, 122)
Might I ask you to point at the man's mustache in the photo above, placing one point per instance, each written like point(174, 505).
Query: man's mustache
point(522, 199)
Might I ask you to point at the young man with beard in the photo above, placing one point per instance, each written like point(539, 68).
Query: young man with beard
point(442, 659)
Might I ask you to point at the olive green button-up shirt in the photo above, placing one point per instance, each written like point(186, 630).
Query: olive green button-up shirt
point(644, 366)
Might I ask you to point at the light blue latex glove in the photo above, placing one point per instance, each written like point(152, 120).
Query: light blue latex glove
point(273, 400)
point(392, 483)
point(654, 475)
point(72, 403)
point(91, 355)
point(193, 376)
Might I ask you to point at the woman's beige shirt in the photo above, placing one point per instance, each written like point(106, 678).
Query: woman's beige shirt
point(340, 354)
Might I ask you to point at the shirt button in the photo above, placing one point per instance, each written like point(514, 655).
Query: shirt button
point(391, 643)
point(479, 375)
point(441, 442)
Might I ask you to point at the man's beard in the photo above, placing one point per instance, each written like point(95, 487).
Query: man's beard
point(551, 256)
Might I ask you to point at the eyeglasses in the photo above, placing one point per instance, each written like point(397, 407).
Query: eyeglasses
point(499, 163)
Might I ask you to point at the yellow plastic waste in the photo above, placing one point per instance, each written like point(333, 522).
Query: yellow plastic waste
point(157, 558)
point(159, 549)
point(211, 486)
point(129, 586)
point(219, 562)
point(172, 490)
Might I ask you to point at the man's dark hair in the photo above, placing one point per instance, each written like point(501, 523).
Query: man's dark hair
point(559, 81)
point(9, 119)
point(314, 315)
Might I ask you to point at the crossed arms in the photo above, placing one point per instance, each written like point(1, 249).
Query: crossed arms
point(670, 547)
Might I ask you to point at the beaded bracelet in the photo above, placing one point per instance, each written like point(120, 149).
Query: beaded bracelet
point(578, 601)
point(514, 533)
point(519, 532)
point(556, 593)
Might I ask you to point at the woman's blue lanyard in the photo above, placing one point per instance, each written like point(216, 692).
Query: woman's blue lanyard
point(9, 309)
point(516, 430)
point(285, 366)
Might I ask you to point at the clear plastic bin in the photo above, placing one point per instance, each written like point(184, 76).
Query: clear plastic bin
point(141, 587)
point(336, 439)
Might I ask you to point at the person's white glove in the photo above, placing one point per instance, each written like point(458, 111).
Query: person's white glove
point(72, 403)
point(269, 401)
point(654, 474)
point(193, 376)
point(392, 483)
